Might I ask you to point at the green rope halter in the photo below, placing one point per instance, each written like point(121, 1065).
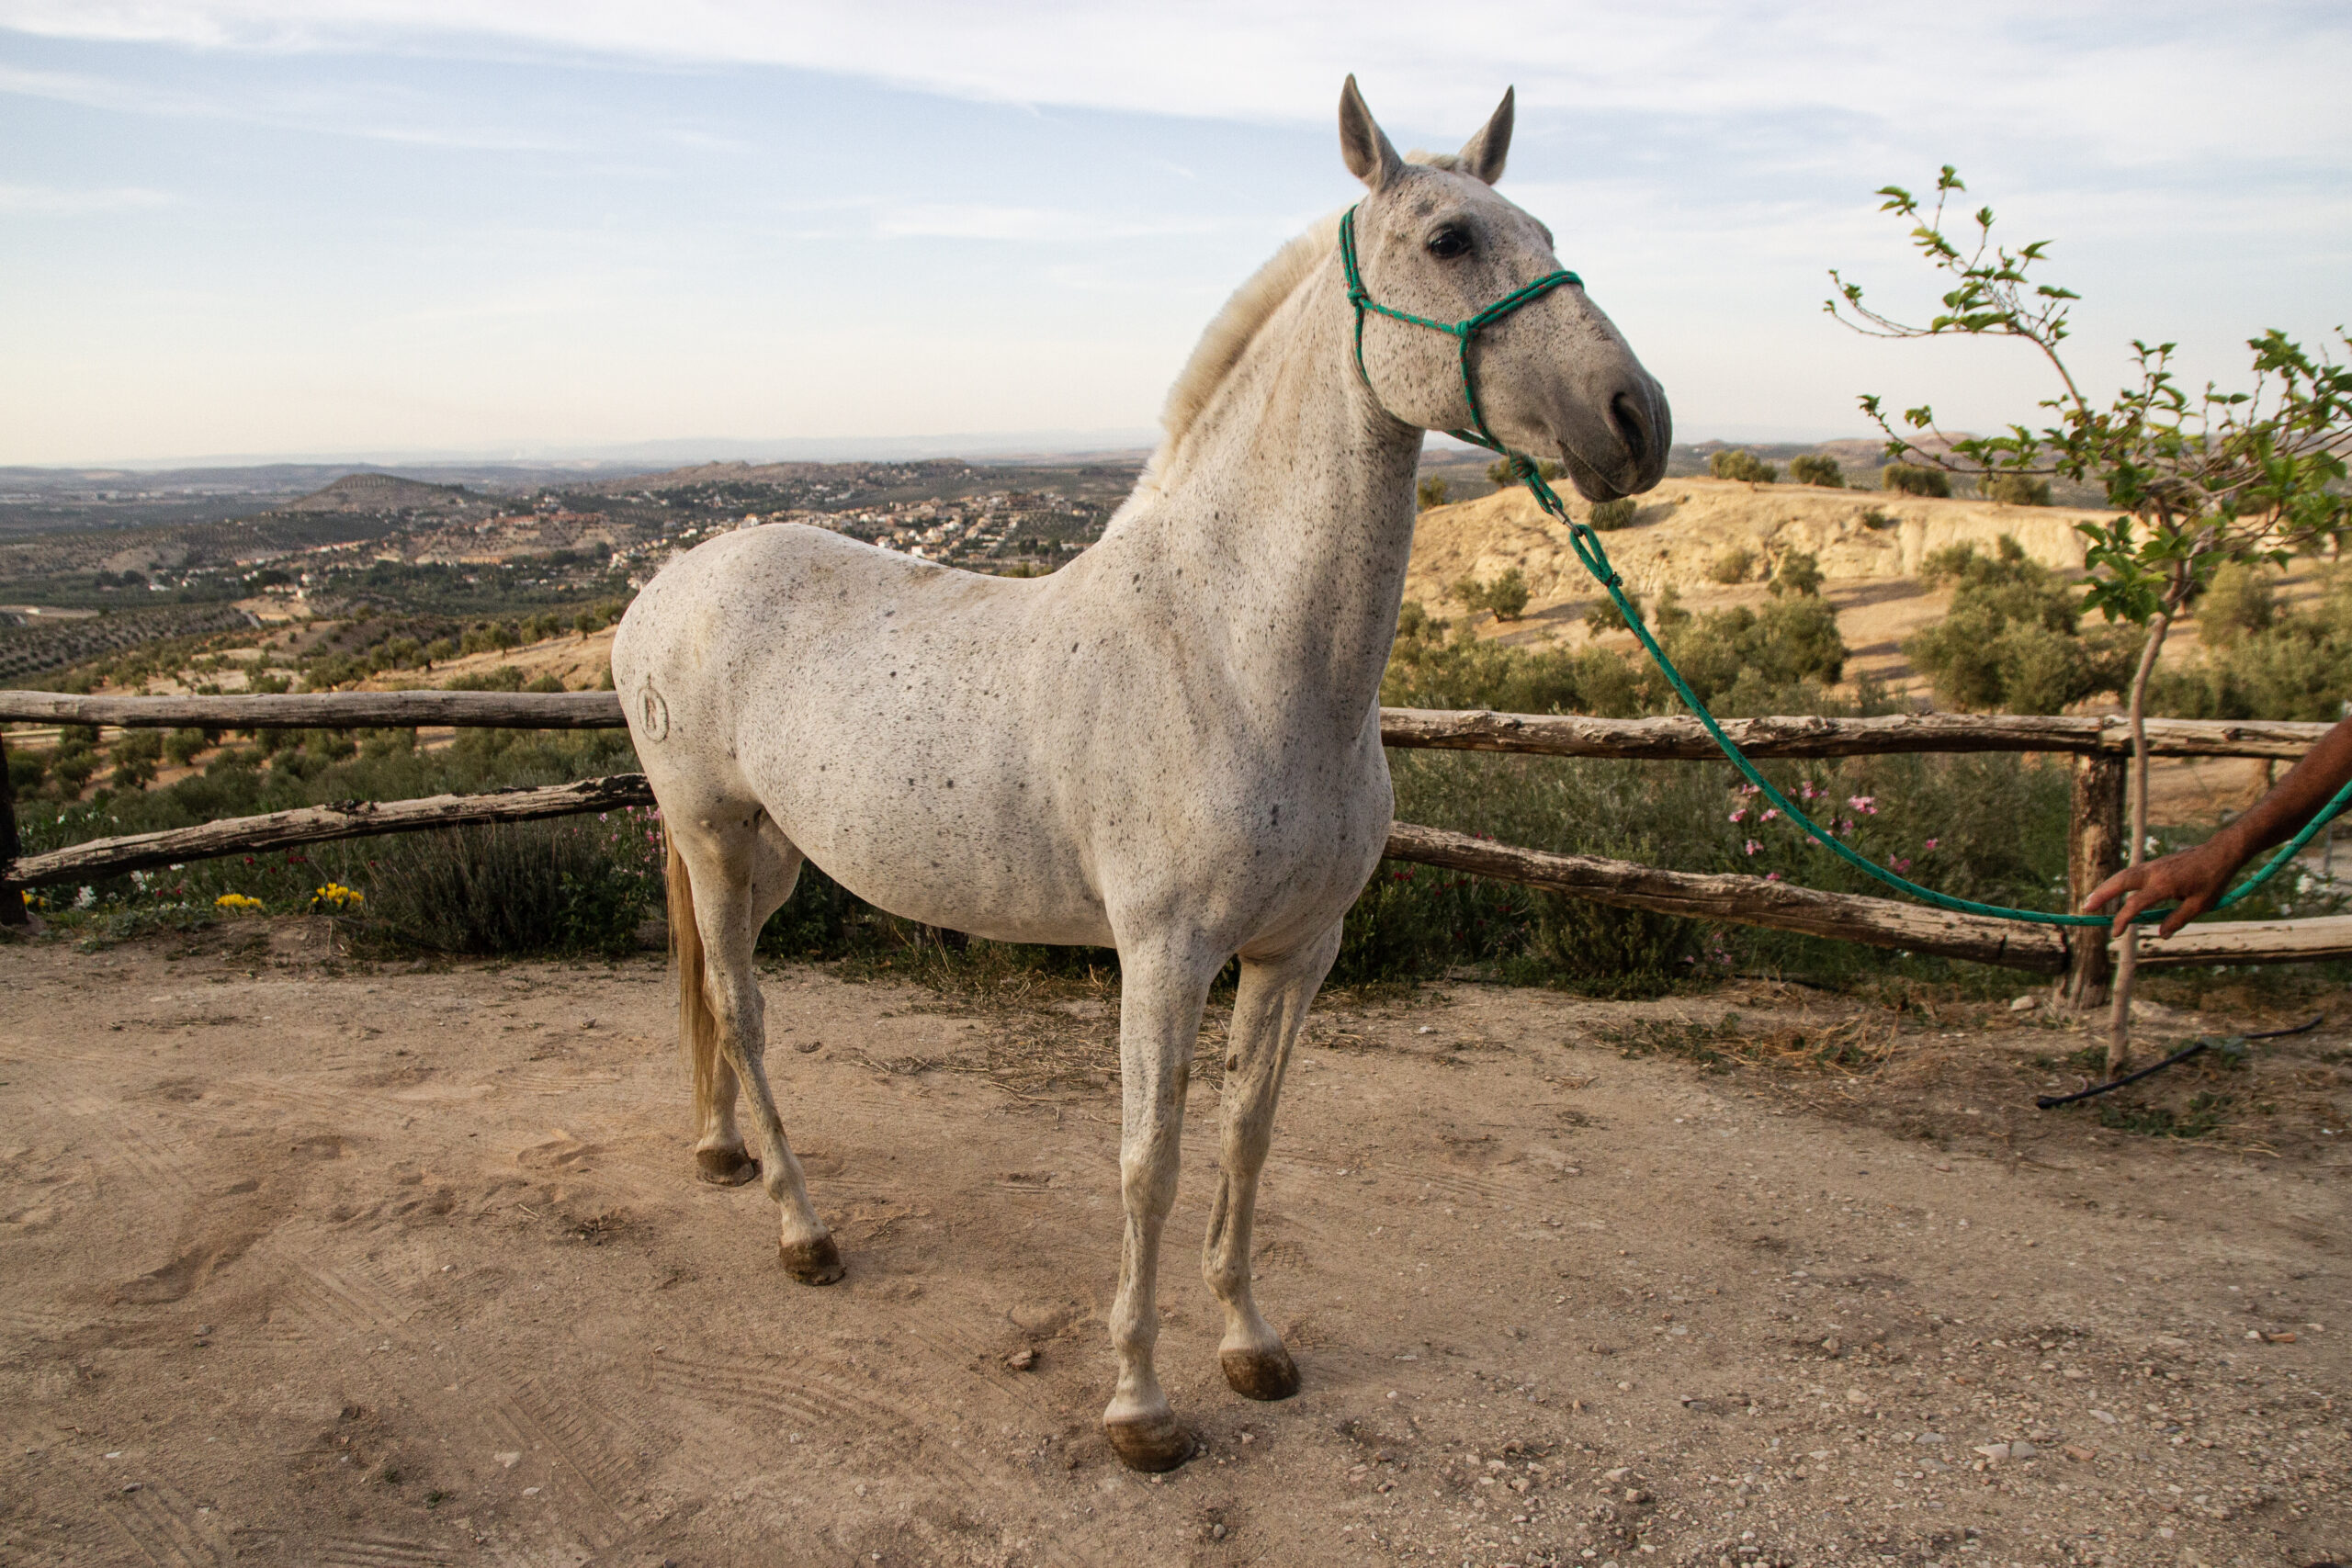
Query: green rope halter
point(1586, 542)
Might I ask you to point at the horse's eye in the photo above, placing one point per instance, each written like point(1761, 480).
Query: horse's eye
point(1449, 242)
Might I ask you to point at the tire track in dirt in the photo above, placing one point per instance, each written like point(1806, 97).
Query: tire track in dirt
point(375, 1552)
point(342, 1303)
point(818, 1403)
point(584, 1492)
point(165, 1526)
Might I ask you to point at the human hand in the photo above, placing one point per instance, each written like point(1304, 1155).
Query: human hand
point(2196, 877)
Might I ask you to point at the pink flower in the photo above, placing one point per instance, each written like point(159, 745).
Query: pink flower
point(1771, 812)
point(1753, 846)
point(1865, 804)
point(1846, 826)
point(1902, 865)
point(1931, 843)
point(1740, 815)
point(1771, 877)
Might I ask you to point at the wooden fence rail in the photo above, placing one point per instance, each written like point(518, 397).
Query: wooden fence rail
point(2099, 746)
point(322, 824)
point(1742, 900)
point(1553, 735)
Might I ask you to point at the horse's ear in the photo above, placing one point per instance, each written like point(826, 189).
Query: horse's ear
point(1483, 153)
point(1370, 155)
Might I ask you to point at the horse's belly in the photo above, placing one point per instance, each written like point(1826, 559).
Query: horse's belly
point(971, 854)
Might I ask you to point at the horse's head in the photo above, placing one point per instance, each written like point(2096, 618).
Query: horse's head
point(1554, 377)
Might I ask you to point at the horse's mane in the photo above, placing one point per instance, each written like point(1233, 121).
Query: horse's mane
point(1229, 334)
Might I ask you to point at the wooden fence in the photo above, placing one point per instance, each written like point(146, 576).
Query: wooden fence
point(2100, 747)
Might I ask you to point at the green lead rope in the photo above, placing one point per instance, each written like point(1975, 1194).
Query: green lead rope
point(1595, 560)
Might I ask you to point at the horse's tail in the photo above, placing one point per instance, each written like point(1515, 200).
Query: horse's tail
point(698, 1022)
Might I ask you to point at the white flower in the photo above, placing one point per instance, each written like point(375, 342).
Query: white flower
point(86, 898)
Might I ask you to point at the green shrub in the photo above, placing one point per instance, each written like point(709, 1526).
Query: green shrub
point(2010, 642)
point(1817, 468)
point(1800, 574)
point(2015, 489)
point(1499, 472)
point(1428, 667)
point(1875, 520)
point(1914, 478)
point(1609, 515)
point(573, 886)
point(1787, 642)
point(28, 771)
point(1506, 596)
point(1731, 566)
point(504, 678)
point(73, 766)
point(134, 758)
point(182, 745)
point(1735, 463)
point(1430, 493)
point(2261, 660)
point(547, 682)
point(1603, 614)
point(2237, 603)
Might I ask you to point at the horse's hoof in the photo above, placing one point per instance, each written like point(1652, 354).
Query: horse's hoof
point(817, 1262)
point(1261, 1374)
point(725, 1168)
point(1150, 1446)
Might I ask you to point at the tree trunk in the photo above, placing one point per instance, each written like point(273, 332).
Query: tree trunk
point(2127, 960)
point(2094, 853)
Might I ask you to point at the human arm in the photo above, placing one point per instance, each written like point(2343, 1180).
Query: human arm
point(2198, 876)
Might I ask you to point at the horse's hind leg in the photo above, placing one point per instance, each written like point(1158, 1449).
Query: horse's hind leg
point(731, 865)
point(1266, 1012)
point(719, 1155)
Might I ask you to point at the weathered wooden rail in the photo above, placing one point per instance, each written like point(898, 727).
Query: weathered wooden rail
point(2099, 746)
point(1464, 729)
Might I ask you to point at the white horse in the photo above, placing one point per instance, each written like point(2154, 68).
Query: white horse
point(1171, 746)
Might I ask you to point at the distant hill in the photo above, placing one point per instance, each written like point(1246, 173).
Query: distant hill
point(1685, 526)
point(846, 476)
point(382, 493)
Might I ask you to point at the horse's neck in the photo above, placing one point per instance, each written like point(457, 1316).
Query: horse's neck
point(1291, 512)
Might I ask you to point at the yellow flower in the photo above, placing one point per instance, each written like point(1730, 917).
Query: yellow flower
point(235, 902)
point(337, 894)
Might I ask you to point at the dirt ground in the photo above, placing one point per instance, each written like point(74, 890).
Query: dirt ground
point(313, 1261)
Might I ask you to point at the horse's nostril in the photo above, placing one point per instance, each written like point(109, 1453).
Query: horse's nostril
point(1626, 415)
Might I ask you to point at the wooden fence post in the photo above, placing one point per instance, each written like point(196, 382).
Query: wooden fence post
point(2094, 853)
point(12, 899)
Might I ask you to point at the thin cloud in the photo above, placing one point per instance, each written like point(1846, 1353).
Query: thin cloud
point(2136, 82)
point(418, 125)
point(980, 221)
point(47, 199)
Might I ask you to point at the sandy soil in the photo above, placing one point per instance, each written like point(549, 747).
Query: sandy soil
point(311, 1261)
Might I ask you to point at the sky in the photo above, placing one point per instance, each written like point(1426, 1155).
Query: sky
point(238, 228)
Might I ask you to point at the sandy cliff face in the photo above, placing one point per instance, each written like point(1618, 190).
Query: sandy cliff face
point(1685, 526)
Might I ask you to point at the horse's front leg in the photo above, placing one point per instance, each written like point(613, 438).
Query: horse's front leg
point(1160, 995)
point(1268, 1010)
